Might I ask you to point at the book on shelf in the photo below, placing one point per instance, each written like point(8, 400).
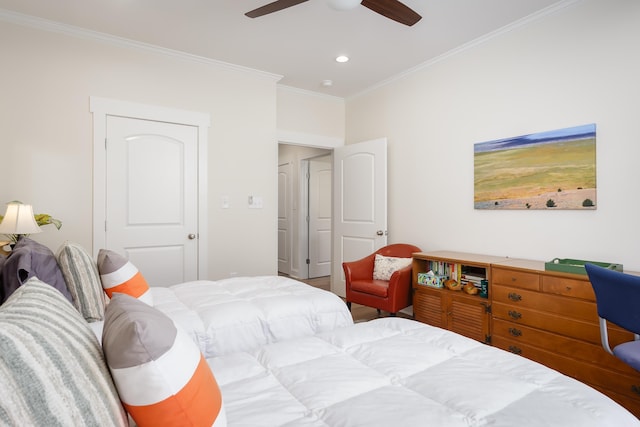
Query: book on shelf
point(472, 277)
point(475, 280)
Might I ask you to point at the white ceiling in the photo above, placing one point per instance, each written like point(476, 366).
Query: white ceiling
point(299, 43)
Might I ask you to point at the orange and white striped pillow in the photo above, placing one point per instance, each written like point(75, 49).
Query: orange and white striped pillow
point(161, 375)
point(117, 274)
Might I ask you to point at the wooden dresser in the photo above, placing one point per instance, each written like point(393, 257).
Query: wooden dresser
point(551, 317)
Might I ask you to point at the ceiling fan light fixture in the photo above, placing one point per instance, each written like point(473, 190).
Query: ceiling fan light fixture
point(344, 4)
point(342, 58)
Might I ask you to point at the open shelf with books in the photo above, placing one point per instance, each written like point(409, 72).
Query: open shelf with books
point(451, 290)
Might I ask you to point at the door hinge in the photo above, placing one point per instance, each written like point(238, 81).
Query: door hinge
point(487, 339)
point(308, 261)
point(487, 307)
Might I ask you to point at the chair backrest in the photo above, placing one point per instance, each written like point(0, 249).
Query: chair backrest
point(399, 250)
point(617, 296)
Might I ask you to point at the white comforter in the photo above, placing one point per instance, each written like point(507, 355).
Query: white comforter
point(242, 313)
point(398, 372)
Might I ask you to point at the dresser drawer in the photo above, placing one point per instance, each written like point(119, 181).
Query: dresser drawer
point(601, 377)
point(515, 335)
point(519, 279)
point(589, 331)
point(569, 307)
point(550, 322)
point(575, 288)
point(517, 297)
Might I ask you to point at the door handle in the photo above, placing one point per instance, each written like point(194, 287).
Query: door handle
point(191, 236)
point(380, 233)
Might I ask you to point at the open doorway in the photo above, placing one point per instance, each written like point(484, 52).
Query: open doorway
point(304, 211)
point(319, 219)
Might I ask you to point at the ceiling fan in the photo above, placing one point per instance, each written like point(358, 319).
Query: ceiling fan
point(392, 9)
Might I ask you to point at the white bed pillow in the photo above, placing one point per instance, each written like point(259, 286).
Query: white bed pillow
point(385, 266)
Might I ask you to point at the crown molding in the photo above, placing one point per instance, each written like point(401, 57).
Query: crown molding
point(473, 43)
point(73, 31)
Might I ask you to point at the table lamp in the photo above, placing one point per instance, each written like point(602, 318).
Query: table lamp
point(18, 220)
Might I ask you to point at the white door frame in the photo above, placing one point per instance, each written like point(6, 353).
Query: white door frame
point(288, 267)
point(103, 107)
point(305, 140)
point(301, 218)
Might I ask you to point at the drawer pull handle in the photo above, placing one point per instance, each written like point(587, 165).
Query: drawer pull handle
point(515, 350)
point(515, 297)
point(515, 315)
point(635, 389)
point(515, 332)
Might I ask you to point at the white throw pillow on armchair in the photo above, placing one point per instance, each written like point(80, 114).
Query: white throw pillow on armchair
point(385, 266)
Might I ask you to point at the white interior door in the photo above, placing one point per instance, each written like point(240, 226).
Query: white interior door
point(284, 218)
point(320, 194)
point(152, 197)
point(360, 204)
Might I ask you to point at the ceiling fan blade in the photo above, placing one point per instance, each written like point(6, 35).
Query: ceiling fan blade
point(273, 7)
point(393, 9)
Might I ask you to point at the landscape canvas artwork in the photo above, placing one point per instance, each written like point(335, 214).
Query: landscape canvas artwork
point(547, 170)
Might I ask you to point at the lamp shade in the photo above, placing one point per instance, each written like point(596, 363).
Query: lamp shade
point(18, 219)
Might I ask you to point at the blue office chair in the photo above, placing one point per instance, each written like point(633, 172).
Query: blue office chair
point(618, 301)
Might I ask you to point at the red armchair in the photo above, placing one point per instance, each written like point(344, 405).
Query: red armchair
point(392, 295)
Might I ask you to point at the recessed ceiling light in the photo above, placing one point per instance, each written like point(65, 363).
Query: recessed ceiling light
point(327, 83)
point(342, 58)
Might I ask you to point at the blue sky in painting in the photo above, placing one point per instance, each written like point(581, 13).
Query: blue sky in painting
point(576, 132)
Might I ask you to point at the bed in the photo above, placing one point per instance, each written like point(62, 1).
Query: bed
point(242, 313)
point(388, 371)
point(287, 354)
point(221, 316)
point(401, 372)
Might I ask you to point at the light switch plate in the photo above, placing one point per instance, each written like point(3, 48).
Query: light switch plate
point(255, 202)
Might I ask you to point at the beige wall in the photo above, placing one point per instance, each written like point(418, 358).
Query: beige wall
point(46, 144)
point(310, 116)
point(576, 66)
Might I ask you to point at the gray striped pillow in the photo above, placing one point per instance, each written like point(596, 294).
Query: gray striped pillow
point(83, 281)
point(52, 370)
